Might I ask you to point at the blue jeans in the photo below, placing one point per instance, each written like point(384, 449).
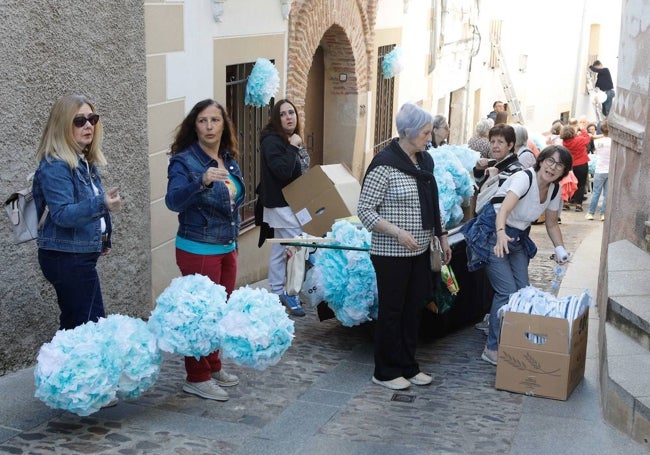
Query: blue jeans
point(507, 275)
point(75, 280)
point(600, 185)
point(607, 105)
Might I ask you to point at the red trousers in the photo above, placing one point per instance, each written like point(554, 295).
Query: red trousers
point(221, 269)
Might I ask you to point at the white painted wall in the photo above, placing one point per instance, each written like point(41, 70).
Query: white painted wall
point(555, 36)
point(190, 74)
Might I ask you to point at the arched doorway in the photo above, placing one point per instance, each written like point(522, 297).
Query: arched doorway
point(327, 77)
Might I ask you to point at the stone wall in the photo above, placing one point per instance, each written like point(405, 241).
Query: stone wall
point(50, 49)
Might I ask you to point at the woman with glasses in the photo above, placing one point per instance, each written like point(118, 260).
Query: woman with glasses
point(68, 189)
point(205, 187)
point(498, 238)
point(284, 159)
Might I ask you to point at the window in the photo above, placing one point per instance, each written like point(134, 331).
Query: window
point(384, 104)
point(249, 122)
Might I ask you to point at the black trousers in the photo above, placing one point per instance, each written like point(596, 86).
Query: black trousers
point(581, 172)
point(404, 286)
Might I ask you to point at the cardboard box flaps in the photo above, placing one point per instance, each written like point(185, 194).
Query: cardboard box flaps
point(321, 196)
point(541, 356)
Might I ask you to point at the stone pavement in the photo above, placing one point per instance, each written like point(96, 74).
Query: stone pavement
point(319, 398)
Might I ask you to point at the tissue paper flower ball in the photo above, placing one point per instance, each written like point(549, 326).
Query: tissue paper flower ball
point(187, 314)
point(255, 330)
point(84, 368)
point(455, 184)
point(137, 350)
point(393, 63)
point(76, 372)
point(348, 276)
point(262, 84)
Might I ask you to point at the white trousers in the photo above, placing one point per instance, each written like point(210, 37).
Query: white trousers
point(278, 258)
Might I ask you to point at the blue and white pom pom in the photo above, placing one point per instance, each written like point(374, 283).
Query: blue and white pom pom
point(255, 331)
point(348, 276)
point(187, 314)
point(75, 372)
point(455, 184)
point(85, 368)
point(393, 63)
point(263, 83)
point(137, 348)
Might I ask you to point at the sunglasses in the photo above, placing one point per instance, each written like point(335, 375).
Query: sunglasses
point(80, 121)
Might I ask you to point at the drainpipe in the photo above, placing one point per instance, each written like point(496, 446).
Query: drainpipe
point(580, 68)
point(476, 46)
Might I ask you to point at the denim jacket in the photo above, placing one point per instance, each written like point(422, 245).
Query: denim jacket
point(481, 237)
point(204, 213)
point(74, 221)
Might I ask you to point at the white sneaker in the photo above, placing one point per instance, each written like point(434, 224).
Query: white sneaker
point(225, 379)
point(490, 356)
point(484, 325)
point(394, 384)
point(207, 389)
point(421, 379)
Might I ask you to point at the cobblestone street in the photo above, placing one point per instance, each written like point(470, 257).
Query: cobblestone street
point(318, 399)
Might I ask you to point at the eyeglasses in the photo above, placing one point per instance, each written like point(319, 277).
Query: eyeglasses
point(80, 121)
point(550, 162)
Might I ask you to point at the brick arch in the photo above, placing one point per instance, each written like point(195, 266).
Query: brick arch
point(310, 21)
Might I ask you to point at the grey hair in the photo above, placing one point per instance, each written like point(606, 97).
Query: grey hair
point(438, 120)
point(521, 135)
point(484, 126)
point(411, 119)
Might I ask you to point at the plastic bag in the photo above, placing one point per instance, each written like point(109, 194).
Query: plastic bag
point(449, 278)
point(312, 288)
point(296, 257)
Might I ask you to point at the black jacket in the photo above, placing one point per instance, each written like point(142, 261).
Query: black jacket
point(280, 166)
point(604, 79)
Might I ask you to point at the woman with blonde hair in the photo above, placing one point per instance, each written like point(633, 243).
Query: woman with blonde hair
point(77, 227)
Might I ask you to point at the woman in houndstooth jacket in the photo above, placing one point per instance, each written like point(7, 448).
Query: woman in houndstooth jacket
point(399, 205)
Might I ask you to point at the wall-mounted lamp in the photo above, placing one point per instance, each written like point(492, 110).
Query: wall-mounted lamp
point(217, 9)
point(362, 110)
point(523, 63)
point(343, 77)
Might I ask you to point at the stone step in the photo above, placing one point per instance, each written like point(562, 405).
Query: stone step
point(624, 378)
point(631, 315)
point(628, 290)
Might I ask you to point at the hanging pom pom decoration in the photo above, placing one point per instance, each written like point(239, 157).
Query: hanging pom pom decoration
point(255, 330)
point(393, 63)
point(187, 314)
point(348, 276)
point(263, 83)
point(85, 368)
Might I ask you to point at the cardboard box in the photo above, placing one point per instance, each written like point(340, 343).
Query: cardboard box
point(551, 366)
point(321, 196)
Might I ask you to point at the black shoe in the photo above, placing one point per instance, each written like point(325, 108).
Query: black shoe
point(578, 208)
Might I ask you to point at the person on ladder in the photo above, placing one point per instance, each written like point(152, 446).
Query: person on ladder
point(604, 84)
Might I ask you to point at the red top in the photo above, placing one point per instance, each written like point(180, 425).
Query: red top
point(578, 147)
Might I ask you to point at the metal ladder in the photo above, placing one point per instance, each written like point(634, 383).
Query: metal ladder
point(506, 82)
